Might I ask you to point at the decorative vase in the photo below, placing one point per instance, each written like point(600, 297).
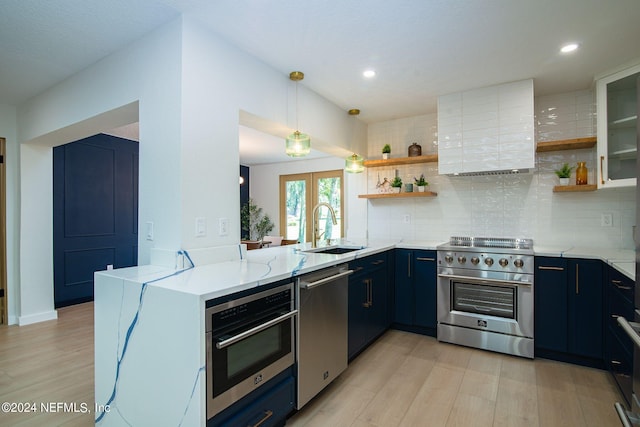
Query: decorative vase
point(385, 156)
point(415, 150)
point(396, 189)
point(421, 188)
point(564, 181)
point(581, 174)
point(408, 188)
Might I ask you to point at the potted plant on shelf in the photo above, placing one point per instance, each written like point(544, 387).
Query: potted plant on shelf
point(564, 173)
point(420, 183)
point(396, 184)
point(386, 150)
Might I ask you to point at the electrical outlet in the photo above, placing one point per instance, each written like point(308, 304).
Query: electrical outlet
point(201, 226)
point(223, 225)
point(406, 219)
point(606, 220)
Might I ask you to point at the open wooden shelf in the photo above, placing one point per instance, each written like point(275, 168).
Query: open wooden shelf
point(566, 144)
point(574, 188)
point(398, 195)
point(401, 161)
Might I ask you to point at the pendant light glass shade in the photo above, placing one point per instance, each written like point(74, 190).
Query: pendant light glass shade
point(354, 164)
point(298, 144)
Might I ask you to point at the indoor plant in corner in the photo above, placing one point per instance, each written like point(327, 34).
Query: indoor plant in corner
point(564, 173)
point(253, 220)
point(396, 184)
point(421, 183)
point(386, 150)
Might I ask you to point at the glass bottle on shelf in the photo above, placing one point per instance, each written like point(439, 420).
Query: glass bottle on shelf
point(581, 174)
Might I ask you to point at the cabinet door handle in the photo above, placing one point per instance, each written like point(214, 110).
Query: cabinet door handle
point(267, 414)
point(618, 284)
point(378, 262)
point(370, 293)
point(602, 170)
point(577, 279)
point(408, 265)
point(616, 362)
point(355, 270)
point(425, 259)
point(542, 267)
point(366, 303)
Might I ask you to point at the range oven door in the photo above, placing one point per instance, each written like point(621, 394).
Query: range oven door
point(249, 341)
point(501, 303)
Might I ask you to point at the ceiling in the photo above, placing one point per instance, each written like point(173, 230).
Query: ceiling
point(419, 48)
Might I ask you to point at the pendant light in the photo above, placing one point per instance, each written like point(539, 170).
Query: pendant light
point(354, 163)
point(298, 143)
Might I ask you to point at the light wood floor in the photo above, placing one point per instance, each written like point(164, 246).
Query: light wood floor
point(405, 379)
point(49, 362)
point(401, 380)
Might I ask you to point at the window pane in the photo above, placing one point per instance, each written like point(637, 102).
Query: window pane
point(296, 210)
point(329, 192)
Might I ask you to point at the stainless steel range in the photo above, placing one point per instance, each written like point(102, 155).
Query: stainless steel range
point(485, 294)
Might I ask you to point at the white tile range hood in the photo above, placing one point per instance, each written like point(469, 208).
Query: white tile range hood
point(487, 131)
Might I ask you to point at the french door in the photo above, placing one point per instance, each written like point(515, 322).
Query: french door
point(299, 193)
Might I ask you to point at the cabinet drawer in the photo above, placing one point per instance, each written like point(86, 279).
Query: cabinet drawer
point(269, 410)
point(622, 284)
point(619, 363)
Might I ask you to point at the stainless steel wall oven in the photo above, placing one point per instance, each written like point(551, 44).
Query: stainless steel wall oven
point(485, 294)
point(250, 339)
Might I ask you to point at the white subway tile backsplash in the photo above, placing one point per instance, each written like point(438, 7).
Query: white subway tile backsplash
point(522, 205)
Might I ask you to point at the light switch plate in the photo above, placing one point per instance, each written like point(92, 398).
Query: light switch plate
point(201, 226)
point(606, 220)
point(149, 231)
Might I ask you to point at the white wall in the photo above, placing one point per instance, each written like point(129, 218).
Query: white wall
point(186, 88)
point(8, 116)
point(507, 205)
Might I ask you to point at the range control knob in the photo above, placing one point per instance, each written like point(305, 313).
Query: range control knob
point(462, 259)
point(489, 261)
point(503, 262)
point(475, 260)
point(449, 259)
point(518, 263)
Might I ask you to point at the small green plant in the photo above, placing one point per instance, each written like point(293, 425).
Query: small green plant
point(254, 222)
point(420, 182)
point(397, 182)
point(564, 171)
point(386, 149)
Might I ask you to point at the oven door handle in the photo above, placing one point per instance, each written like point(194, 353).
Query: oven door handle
point(242, 335)
point(309, 285)
point(631, 329)
point(483, 280)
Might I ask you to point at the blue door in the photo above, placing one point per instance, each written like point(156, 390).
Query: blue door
point(95, 213)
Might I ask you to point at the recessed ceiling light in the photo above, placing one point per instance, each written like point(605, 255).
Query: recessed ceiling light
point(369, 73)
point(570, 47)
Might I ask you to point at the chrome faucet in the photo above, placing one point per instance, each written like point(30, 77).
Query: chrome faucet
point(316, 236)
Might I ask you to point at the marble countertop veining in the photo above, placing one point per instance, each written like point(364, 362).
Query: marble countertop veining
point(259, 267)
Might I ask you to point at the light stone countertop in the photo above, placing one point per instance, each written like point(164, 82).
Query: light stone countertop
point(259, 267)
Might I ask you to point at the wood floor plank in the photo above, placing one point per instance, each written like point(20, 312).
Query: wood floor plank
point(403, 379)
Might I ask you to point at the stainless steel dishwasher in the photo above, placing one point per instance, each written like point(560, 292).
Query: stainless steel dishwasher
point(322, 335)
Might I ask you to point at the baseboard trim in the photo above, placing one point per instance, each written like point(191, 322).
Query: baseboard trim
point(38, 317)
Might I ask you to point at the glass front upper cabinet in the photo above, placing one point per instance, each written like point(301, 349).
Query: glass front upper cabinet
point(617, 96)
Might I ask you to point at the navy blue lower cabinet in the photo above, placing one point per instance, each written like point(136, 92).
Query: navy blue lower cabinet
point(369, 310)
point(267, 406)
point(551, 302)
point(415, 291)
point(569, 306)
point(618, 353)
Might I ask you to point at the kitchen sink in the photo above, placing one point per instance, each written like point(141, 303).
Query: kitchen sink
point(336, 250)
